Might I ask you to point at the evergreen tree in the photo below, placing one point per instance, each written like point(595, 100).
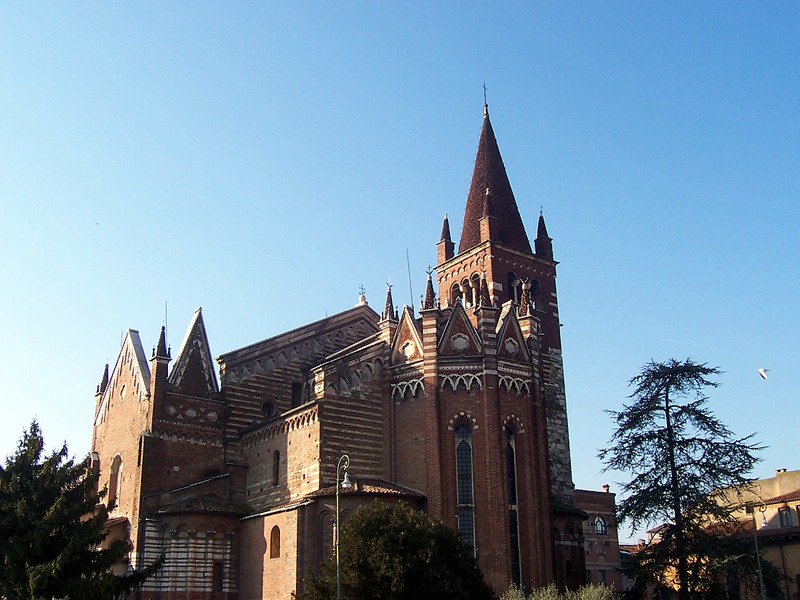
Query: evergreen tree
point(681, 457)
point(396, 553)
point(52, 529)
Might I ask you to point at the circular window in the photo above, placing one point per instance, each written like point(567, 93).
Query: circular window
point(268, 408)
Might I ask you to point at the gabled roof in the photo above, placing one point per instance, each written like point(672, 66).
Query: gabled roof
point(489, 175)
point(459, 337)
point(193, 367)
point(304, 347)
point(510, 341)
point(407, 343)
point(132, 349)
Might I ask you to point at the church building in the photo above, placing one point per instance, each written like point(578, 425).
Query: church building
point(228, 467)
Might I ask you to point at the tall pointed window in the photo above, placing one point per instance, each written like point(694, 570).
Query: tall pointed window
point(113, 482)
point(275, 542)
point(513, 508)
point(465, 495)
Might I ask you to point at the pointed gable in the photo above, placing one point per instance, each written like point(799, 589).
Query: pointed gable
point(459, 337)
point(407, 345)
point(193, 372)
point(490, 174)
point(132, 353)
point(130, 375)
point(510, 340)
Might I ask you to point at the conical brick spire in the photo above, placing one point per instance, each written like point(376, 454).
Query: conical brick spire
point(490, 175)
point(543, 243)
point(445, 237)
point(161, 350)
point(103, 382)
point(445, 248)
point(388, 310)
point(430, 298)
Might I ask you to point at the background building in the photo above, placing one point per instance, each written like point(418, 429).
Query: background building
point(460, 410)
point(600, 537)
point(772, 507)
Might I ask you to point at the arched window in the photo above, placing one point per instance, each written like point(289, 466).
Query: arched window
point(275, 542)
point(218, 577)
point(476, 288)
point(326, 530)
point(465, 495)
point(514, 287)
point(276, 467)
point(455, 294)
point(513, 509)
point(600, 526)
point(113, 481)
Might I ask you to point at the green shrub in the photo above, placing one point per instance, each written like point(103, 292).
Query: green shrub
point(587, 592)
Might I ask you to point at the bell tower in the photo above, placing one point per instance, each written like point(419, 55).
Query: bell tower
point(494, 251)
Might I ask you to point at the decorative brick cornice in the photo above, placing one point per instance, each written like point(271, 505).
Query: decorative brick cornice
point(468, 379)
point(399, 390)
point(190, 437)
point(515, 385)
point(282, 427)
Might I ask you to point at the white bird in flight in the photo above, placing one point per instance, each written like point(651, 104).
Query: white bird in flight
point(763, 372)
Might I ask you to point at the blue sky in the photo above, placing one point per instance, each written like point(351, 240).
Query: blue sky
point(264, 161)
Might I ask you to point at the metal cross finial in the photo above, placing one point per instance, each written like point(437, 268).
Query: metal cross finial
point(430, 270)
point(362, 289)
point(484, 93)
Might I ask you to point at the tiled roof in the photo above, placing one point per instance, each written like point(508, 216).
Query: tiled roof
point(788, 497)
point(371, 487)
point(205, 504)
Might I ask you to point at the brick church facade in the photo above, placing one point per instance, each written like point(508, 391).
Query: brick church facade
point(458, 408)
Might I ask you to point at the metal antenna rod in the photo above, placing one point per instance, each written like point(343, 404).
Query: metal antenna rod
point(410, 291)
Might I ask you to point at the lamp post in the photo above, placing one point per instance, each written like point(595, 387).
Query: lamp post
point(762, 509)
point(344, 463)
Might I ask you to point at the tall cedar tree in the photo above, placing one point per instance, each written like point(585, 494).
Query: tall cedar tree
point(397, 553)
point(681, 457)
point(51, 529)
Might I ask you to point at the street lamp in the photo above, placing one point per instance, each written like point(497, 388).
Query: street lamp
point(344, 463)
point(762, 509)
